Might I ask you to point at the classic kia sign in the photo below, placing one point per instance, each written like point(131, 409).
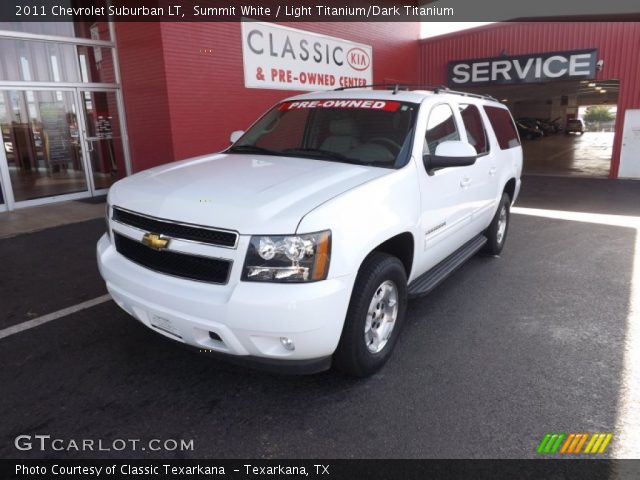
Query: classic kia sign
point(290, 59)
point(534, 68)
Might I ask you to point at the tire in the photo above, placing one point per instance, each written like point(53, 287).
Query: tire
point(497, 232)
point(361, 354)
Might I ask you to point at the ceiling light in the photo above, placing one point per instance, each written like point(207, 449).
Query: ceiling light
point(592, 84)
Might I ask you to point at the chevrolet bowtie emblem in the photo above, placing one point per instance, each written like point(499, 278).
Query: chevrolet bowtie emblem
point(155, 241)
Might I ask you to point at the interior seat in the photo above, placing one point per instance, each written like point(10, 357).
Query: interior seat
point(343, 136)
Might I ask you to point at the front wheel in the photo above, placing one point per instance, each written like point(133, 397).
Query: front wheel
point(497, 232)
point(375, 316)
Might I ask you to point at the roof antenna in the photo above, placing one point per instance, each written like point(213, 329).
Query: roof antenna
point(395, 89)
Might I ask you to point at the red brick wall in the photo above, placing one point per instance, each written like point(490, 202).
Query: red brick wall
point(144, 88)
point(186, 101)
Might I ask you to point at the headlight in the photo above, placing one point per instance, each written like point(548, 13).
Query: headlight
point(288, 258)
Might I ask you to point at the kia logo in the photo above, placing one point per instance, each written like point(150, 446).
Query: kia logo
point(358, 59)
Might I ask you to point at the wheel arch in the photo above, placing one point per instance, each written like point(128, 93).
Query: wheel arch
point(510, 188)
point(401, 246)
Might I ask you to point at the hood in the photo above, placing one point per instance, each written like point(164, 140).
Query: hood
point(253, 194)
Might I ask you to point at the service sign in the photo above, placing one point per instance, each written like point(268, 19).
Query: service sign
point(534, 68)
point(290, 59)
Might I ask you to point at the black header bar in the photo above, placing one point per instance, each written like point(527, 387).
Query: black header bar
point(321, 469)
point(315, 11)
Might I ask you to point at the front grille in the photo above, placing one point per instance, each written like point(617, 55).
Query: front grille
point(212, 270)
point(176, 230)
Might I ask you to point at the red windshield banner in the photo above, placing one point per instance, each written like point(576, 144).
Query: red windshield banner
point(384, 105)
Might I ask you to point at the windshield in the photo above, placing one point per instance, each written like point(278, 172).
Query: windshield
point(365, 132)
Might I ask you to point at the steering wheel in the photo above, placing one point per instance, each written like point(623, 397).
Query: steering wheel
point(392, 146)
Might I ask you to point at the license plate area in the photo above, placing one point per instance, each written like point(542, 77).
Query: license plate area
point(164, 324)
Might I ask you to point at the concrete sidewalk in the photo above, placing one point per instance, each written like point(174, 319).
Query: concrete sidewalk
point(33, 219)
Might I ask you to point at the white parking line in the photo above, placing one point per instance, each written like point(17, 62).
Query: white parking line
point(21, 327)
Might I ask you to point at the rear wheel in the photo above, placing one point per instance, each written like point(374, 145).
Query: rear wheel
point(375, 316)
point(497, 232)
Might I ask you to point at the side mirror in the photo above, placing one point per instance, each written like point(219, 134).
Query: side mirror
point(451, 153)
point(235, 136)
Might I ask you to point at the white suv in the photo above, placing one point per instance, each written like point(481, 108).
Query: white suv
point(298, 246)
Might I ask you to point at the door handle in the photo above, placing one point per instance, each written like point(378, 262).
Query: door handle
point(492, 171)
point(465, 182)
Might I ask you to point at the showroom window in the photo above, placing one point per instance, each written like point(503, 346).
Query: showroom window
point(60, 112)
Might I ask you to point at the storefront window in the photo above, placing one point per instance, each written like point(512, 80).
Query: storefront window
point(96, 64)
point(59, 117)
point(29, 61)
point(97, 30)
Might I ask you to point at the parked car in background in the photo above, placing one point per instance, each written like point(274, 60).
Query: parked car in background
point(574, 125)
point(528, 128)
point(548, 126)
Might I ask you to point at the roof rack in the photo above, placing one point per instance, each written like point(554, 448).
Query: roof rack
point(445, 89)
point(405, 87)
point(388, 86)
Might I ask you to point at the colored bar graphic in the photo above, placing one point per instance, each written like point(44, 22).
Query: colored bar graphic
point(550, 443)
point(556, 445)
point(607, 439)
point(543, 443)
point(593, 439)
point(573, 442)
point(580, 443)
point(567, 443)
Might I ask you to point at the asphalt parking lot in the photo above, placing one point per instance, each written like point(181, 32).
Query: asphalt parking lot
point(502, 352)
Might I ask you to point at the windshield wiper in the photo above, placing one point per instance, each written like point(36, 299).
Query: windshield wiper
point(323, 154)
point(252, 149)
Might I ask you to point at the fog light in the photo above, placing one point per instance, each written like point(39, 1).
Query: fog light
point(287, 343)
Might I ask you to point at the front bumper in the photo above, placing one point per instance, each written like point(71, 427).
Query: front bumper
point(240, 319)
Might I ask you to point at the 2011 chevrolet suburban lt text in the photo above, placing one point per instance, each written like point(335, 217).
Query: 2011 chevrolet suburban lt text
point(298, 246)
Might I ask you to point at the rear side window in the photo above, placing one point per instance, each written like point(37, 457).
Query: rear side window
point(502, 124)
point(476, 134)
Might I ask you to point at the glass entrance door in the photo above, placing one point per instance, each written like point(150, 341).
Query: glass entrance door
point(59, 144)
point(103, 137)
point(41, 143)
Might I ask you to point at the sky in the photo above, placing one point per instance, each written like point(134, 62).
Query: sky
point(432, 29)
